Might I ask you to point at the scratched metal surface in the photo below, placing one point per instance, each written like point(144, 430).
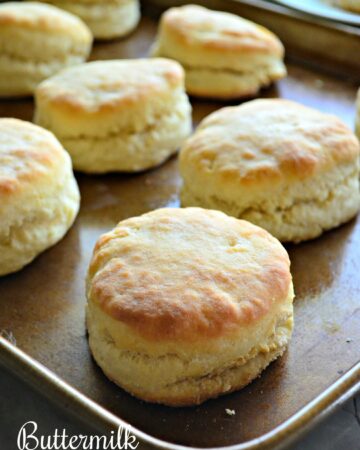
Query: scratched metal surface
point(43, 305)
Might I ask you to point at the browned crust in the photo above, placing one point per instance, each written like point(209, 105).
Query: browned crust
point(223, 146)
point(64, 92)
point(42, 17)
point(188, 22)
point(196, 298)
point(35, 154)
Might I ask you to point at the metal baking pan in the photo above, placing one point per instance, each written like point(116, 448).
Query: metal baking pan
point(42, 306)
point(325, 9)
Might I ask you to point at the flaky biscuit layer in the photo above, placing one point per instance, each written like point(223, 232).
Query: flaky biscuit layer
point(36, 41)
point(121, 115)
point(39, 196)
point(288, 168)
point(224, 55)
point(187, 304)
point(106, 20)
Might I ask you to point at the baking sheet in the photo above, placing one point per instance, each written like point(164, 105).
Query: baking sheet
point(43, 305)
point(326, 9)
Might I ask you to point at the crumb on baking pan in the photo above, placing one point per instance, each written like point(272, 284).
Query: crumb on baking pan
point(230, 412)
point(8, 335)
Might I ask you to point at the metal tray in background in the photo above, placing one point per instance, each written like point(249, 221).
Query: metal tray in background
point(325, 9)
point(42, 306)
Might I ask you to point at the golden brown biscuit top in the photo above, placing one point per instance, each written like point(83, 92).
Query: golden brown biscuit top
point(264, 141)
point(43, 17)
point(28, 154)
point(106, 85)
point(187, 274)
point(198, 26)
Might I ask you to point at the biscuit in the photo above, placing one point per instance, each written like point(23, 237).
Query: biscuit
point(39, 196)
point(36, 41)
point(121, 115)
point(224, 56)
point(187, 304)
point(285, 167)
point(106, 19)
